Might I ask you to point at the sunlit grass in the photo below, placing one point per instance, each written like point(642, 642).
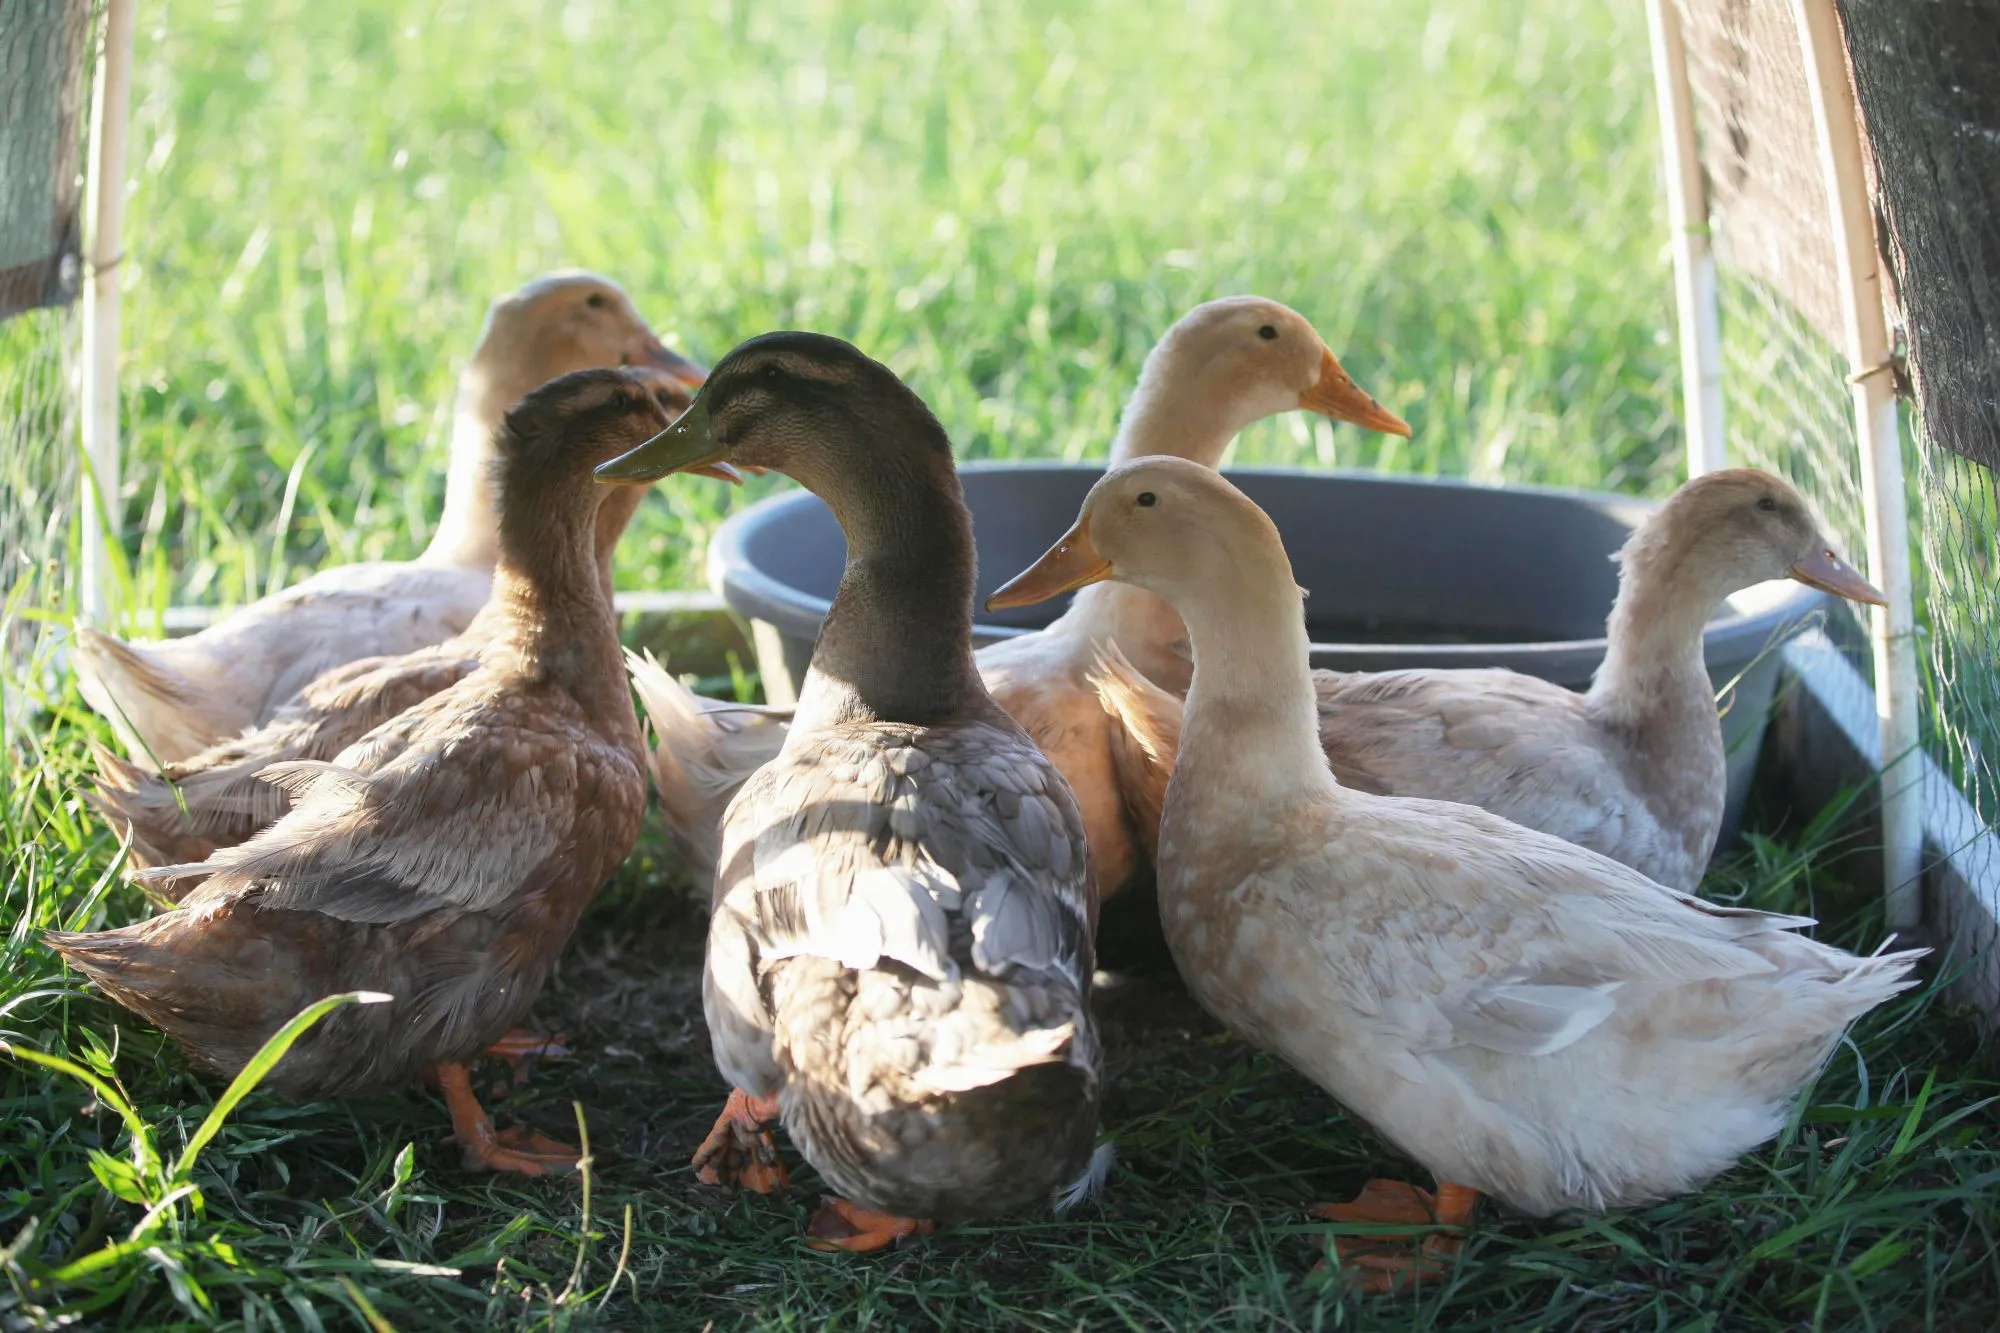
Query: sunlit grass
point(1007, 203)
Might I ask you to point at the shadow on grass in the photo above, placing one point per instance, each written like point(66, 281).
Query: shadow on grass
point(1877, 1209)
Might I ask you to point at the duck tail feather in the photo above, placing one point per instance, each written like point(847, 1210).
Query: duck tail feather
point(705, 750)
point(1145, 738)
point(1091, 1183)
point(995, 1062)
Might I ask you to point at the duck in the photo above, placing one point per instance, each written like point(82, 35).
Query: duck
point(167, 699)
point(1524, 1017)
point(214, 798)
point(900, 953)
point(1220, 368)
point(1633, 767)
point(443, 859)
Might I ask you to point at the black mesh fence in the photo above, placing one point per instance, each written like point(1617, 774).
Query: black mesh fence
point(1926, 75)
point(1927, 80)
point(42, 116)
point(44, 86)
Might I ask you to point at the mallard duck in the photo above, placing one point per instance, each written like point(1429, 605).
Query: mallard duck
point(1634, 767)
point(170, 698)
point(215, 799)
point(443, 858)
point(1523, 1016)
point(1225, 365)
point(899, 959)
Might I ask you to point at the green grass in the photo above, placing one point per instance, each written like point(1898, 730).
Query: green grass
point(1007, 203)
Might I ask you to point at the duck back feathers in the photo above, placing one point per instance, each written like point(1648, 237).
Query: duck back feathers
point(905, 957)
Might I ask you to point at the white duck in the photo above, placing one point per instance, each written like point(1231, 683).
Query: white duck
point(1633, 768)
point(1524, 1017)
point(167, 699)
point(1225, 365)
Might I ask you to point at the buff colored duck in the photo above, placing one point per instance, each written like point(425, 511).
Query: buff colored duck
point(1633, 768)
point(1523, 1016)
point(214, 798)
point(445, 857)
point(168, 699)
point(899, 959)
point(1222, 367)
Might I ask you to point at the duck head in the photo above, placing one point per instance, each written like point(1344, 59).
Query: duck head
point(1229, 363)
point(566, 321)
point(1168, 525)
point(575, 422)
point(1725, 531)
point(805, 404)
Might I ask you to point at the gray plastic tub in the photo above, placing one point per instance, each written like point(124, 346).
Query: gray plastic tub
point(1402, 572)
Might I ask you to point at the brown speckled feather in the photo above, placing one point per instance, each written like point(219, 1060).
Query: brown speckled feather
point(444, 857)
point(904, 918)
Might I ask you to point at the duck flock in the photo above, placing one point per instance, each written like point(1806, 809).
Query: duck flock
point(1462, 902)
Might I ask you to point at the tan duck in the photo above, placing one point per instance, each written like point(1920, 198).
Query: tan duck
point(1634, 767)
point(899, 960)
point(170, 698)
point(444, 858)
point(1224, 366)
point(1524, 1017)
point(215, 799)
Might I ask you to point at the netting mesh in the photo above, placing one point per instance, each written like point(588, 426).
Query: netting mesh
point(1927, 77)
point(1927, 80)
point(41, 118)
point(1958, 615)
point(44, 69)
point(38, 502)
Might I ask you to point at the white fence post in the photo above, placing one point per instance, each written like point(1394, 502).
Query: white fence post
point(1892, 628)
point(1694, 262)
point(110, 113)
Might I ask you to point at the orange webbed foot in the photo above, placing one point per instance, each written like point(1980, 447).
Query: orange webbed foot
point(740, 1149)
point(1391, 1263)
point(518, 1150)
point(840, 1225)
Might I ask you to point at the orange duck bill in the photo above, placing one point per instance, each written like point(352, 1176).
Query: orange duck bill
point(1071, 563)
point(1336, 395)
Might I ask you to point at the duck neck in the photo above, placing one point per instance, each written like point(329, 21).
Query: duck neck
point(1251, 727)
point(549, 590)
point(615, 507)
point(1653, 650)
point(1175, 414)
point(897, 644)
point(468, 531)
point(1197, 426)
point(1145, 627)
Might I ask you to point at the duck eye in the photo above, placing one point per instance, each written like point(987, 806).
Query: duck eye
point(1269, 333)
point(1147, 499)
point(1768, 504)
point(596, 301)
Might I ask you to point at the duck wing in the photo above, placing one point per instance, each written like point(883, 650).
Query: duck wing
point(1484, 933)
point(169, 699)
point(939, 849)
point(215, 798)
point(1509, 743)
point(453, 804)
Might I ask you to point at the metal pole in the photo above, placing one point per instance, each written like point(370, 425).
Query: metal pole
point(110, 113)
point(1892, 629)
point(1694, 263)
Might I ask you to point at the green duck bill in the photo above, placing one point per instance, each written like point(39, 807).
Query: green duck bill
point(686, 446)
